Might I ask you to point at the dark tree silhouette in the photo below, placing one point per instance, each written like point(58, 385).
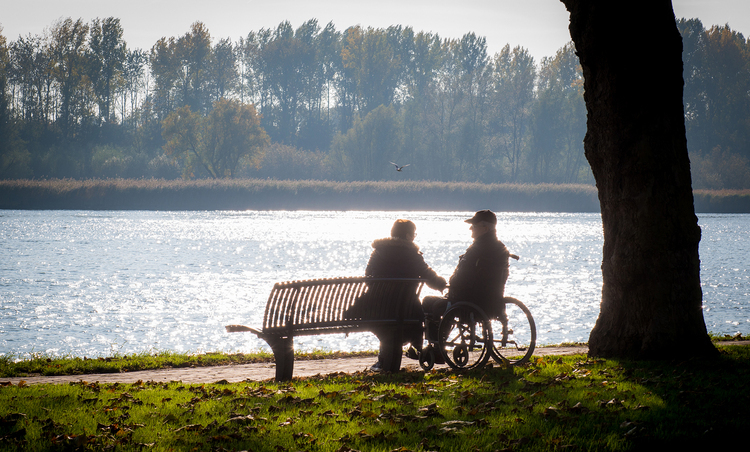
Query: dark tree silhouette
point(636, 146)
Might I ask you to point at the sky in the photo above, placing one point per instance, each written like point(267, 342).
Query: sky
point(541, 26)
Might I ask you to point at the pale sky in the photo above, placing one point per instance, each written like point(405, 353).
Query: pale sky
point(541, 26)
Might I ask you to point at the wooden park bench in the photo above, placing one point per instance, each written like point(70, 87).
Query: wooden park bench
point(324, 306)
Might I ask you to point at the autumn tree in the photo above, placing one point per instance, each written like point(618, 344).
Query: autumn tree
point(165, 66)
point(717, 104)
point(193, 51)
point(14, 159)
point(513, 78)
point(287, 61)
point(636, 146)
point(108, 53)
point(222, 69)
point(316, 129)
point(720, 169)
point(374, 67)
point(365, 150)
point(30, 72)
point(134, 81)
point(329, 49)
point(421, 143)
point(70, 68)
point(254, 81)
point(5, 65)
point(218, 143)
point(288, 74)
point(181, 71)
point(473, 64)
point(556, 140)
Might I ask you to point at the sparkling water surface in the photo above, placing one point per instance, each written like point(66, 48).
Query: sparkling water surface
point(86, 283)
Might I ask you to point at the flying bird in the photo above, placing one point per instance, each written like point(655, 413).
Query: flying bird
point(399, 168)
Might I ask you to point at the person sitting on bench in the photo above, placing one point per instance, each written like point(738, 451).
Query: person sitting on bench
point(398, 256)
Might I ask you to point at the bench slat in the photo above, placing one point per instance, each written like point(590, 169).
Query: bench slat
point(350, 326)
point(296, 303)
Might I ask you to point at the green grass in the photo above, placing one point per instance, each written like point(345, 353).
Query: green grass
point(50, 365)
point(44, 365)
point(554, 403)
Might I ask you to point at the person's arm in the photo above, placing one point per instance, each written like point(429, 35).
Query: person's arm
point(432, 279)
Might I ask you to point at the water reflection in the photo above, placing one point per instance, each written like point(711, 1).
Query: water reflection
point(98, 283)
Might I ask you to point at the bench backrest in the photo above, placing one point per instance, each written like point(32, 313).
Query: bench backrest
point(296, 306)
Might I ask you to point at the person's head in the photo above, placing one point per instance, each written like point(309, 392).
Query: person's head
point(404, 229)
point(481, 223)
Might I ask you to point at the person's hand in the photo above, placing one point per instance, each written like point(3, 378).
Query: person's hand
point(443, 284)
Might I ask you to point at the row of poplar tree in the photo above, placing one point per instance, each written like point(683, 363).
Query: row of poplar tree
point(318, 103)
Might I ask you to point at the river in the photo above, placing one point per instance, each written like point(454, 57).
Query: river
point(101, 283)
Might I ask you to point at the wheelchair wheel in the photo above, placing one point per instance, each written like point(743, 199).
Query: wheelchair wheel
point(514, 341)
point(427, 358)
point(465, 336)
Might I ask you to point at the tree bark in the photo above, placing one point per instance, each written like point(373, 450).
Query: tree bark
point(631, 55)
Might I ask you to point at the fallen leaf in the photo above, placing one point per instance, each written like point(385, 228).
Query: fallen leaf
point(189, 428)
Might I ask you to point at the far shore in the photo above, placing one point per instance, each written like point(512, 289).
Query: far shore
point(261, 194)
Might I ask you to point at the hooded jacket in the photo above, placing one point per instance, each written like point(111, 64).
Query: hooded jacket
point(400, 258)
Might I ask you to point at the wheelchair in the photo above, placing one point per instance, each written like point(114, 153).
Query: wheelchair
point(466, 337)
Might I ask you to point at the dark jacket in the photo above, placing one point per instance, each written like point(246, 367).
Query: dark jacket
point(481, 274)
point(399, 258)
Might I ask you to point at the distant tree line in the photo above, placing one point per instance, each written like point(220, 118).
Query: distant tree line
point(716, 70)
point(318, 103)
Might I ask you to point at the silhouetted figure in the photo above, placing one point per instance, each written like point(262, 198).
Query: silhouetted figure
point(480, 275)
point(398, 256)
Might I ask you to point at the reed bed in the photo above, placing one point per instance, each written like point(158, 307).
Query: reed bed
point(722, 201)
point(258, 194)
point(269, 194)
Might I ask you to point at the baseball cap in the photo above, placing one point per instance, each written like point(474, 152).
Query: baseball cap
point(483, 215)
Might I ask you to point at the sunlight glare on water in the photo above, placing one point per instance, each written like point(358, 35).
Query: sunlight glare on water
point(99, 283)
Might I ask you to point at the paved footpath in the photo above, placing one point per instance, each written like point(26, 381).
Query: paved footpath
point(262, 371)
point(255, 372)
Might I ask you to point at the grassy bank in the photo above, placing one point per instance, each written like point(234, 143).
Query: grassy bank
point(554, 403)
point(52, 365)
point(255, 194)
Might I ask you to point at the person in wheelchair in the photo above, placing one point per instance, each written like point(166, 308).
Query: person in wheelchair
point(479, 277)
point(398, 256)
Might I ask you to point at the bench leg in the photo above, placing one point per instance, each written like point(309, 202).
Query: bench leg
point(283, 354)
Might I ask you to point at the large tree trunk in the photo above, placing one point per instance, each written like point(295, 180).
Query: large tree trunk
point(631, 55)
